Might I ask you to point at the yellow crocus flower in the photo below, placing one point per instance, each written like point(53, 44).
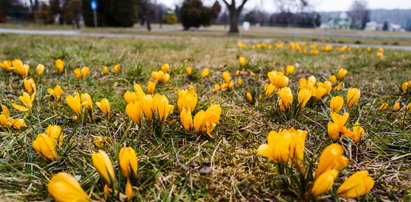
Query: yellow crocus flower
point(269, 89)
point(341, 73)
point(139, 90)
point(20, 68)
point(5, 121)
point(336, 103)
point(405, 86)
point(77, 73)
point(128, 162)
point(217, 87)
point(353, 95)
point(212, 117)
point(205, 72)
point(104, 69)
point(286, 97)
point(18, 123)
point(162, 107)
point(396, 106)
point(357, 134)
point(289, 69)
point(86, 101)
point(146, 104)
point(337, 127)
point(198, 121)
point(84, 71)
point(6, 65)
point(81, 73)
point(380, 55)
point(226, 76)
point(206, 121)
point(384, 106)
point(60, 65)
point(249, 97)
point(151, 86)
point(103, 164)
point(189, 71)
point(65, 188)
point(187, 100)
point(5, 111)
point(328, 86)
point(278, 79)
point(27, 100)
point(133, 110)
point(157, 75)
point(231, 85)
point(303, 97)
point(166, 78)
point(324, 182)
point(165, 68)
point(56, 92)
point(319, 92)
point(284, 146)
point(338, 86)
point(239, 82)
point(40, 69)
point(186, 119)
point(333, 79)
point(332, 157)
point(116, 68)
point(55, 133)
point(129, 190)
point(45, 147)
point(242, 61)
point(356, 185)
point(30, 86)
point(74, 103)
point(104, 106)
point(131, 97)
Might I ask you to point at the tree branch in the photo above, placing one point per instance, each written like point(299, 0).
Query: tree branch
point(242, 5)
point(226, 3)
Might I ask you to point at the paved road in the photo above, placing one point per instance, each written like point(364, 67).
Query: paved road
point(80, 33)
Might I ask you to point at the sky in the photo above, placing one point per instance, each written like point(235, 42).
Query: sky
point(319, 5)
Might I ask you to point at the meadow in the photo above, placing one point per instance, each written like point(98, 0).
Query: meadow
point(180, 162)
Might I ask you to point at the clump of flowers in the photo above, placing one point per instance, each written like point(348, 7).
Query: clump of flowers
point(286, 149)
point(317, 89)
point(337, 128)
point(81, 73)
point(7, 121)
point(155, 108)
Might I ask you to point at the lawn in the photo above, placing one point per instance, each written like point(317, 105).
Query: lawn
point(177, 165)
point(255, 33)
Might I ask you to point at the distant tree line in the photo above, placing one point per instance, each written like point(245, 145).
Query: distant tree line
point(190, 13)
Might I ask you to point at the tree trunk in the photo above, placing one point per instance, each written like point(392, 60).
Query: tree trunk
point(234, 21)
point(148, 22)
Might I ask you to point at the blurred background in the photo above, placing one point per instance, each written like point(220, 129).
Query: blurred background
point(230, 15)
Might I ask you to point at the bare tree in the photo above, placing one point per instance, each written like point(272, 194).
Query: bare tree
point(359, 14)
point(144, 13)
point(150, 11)
point(34, 7)
point(234, 14)
point(293, 6)
point(294, 12)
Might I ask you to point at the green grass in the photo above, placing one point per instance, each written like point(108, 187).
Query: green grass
point(171, 168)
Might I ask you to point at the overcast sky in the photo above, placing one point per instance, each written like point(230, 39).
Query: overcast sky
point(319, 5)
